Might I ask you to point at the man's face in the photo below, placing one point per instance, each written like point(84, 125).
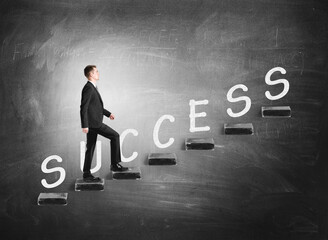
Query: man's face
point(94, 74)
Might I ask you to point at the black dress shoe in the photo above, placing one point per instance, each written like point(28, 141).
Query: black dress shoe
point(90, 178)
point(118, 168)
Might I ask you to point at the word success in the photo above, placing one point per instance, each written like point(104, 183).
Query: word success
point(193, 115)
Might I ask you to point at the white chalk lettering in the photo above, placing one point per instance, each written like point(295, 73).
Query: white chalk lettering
point(238, 99)
point(270, 82)
point(156, 130)
point(123, 135)
point(82, 156)
point(193, 115)
point(51, 170)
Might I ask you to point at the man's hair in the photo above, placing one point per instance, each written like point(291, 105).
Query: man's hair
point(88, 69)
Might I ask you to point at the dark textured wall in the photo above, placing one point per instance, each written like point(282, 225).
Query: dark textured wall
point(153, 58)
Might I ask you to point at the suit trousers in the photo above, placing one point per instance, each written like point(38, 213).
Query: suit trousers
point(106, 132)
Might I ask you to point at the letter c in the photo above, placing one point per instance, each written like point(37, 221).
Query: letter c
point(123, 135)
point(156, 130)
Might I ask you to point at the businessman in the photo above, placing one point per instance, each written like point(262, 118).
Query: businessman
point(91, 112)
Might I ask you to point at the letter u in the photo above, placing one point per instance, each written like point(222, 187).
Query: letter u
point(82, 156)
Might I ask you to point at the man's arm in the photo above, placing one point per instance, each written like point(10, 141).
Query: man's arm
point(109, 114)
point(106, 112)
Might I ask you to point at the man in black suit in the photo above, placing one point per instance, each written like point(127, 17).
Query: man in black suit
point(91, 112)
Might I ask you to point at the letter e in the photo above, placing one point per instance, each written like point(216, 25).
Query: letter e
point(193, 115)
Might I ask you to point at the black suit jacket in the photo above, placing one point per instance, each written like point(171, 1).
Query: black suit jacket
point(92, 108)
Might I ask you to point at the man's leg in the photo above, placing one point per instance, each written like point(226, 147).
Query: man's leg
point(114, 137)
point(91, 144)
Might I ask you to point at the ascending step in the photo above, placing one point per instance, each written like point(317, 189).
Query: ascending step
point(276, 111)
point(132, 173)
point(52, 199)
point(239, 129)
point(162, 159)
point(81, 185)
point(199, 143)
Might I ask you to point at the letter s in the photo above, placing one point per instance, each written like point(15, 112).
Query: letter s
point(270, 82)
point(238, 99)
point(47, 170)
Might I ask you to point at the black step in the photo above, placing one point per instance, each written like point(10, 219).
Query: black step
point(199, 143)
point(52, 199)
point(81, 185)
point(276, 111)
point(132, 173)
point(239, 129)
point(162, 159)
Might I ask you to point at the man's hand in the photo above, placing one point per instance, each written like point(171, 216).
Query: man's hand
point(85, 130)
point(112, 117)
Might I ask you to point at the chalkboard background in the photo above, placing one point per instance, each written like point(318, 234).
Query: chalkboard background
point(153, 58)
